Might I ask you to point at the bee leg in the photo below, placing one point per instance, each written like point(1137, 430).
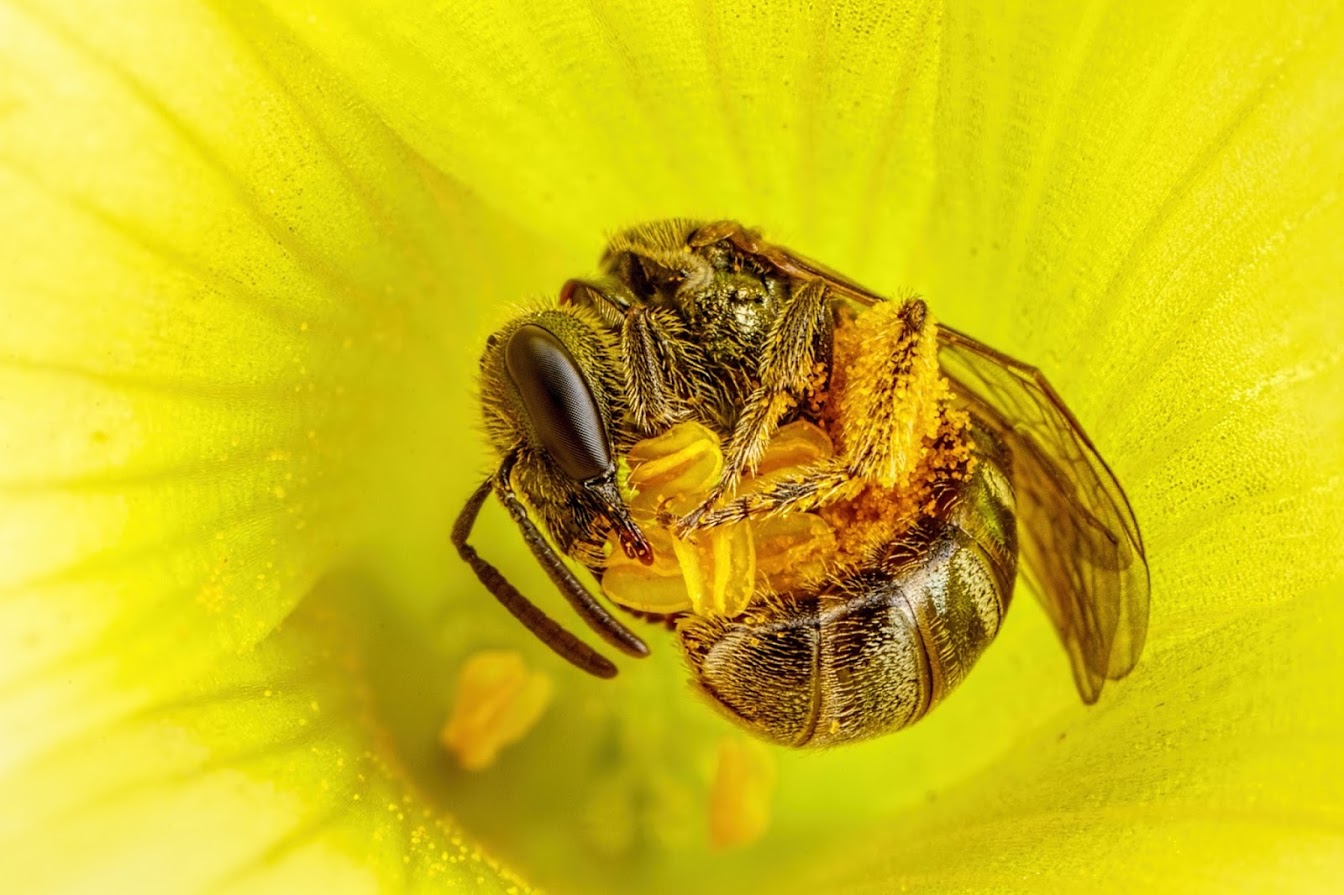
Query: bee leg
point(885, 422)
point(655, 350)
point(583, 602)
point(871, 449)
point(785, 373)
point(804, 489)
point(607, 302)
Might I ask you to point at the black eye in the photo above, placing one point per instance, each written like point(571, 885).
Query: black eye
point(558, 401)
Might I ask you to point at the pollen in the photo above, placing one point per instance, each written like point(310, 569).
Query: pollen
point(715, 571)
point(903, 439)
point(712, 572)
point(887, 393)
point(741, 793)
point(498, 700)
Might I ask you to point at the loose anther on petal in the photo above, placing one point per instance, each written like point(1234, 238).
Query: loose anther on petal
point(498, 701)
point(741, 793)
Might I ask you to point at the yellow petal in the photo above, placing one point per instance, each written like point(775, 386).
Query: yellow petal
point(1140, 198)
point(272, 773)
point(214, 264)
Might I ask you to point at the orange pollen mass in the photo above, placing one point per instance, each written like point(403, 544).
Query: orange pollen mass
point(877, 436)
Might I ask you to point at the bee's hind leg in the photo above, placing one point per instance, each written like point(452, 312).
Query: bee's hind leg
point(882, 426)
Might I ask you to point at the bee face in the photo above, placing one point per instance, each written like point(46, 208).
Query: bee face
point(828, 584)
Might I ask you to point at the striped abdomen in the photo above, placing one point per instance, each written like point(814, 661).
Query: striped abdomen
point(877, 648)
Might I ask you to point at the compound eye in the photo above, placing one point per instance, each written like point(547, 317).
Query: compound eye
point(559, 403)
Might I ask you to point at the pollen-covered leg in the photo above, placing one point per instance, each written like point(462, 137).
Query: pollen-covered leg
point(886, 415)
point(785, 373)
point(886, 395)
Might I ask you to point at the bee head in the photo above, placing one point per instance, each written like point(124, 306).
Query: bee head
point(555, 396)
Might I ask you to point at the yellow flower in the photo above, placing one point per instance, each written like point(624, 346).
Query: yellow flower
point(248, 254)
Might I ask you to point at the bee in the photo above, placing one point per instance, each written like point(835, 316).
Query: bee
point(953, 460)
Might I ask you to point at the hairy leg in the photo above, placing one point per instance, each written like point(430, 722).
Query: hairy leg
point(662, 371)
point(785, 372)
point(660, 368)
point(888, 391)
point(887, 395)
point(803, 489)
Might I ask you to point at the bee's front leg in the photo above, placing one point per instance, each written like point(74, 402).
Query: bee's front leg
point(659, 362)
point(661, 365)
point(785, 373)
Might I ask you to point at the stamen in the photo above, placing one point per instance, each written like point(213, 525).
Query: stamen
point(718, 570)
point(498, 701)
point(741, 793)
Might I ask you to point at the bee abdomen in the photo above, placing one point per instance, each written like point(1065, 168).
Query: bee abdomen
point(816, 671)
point(760, 668)
point(874, 651)
point(875, 673)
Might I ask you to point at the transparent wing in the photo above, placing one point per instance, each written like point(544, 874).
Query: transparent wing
point(1080, 545)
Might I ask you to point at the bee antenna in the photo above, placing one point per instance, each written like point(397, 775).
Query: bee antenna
point(547, 630)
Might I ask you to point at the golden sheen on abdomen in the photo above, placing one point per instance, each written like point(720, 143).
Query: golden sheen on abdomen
point(877, 648)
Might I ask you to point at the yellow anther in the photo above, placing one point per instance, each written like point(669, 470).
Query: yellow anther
point(797, 444)
point(718, 570)
point(741, 792)
point(658, 588)
point(498, 701)
point(674, 470)
point(793, 551)
point(719, 566)
point(714, 572)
